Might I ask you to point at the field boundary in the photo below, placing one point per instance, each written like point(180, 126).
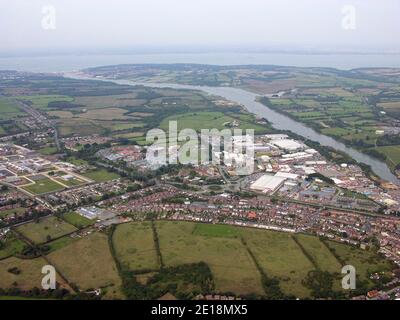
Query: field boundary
point(157, 245)
point(305, 253)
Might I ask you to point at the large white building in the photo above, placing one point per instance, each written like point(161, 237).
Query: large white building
point(287, 144)
point(267, 183)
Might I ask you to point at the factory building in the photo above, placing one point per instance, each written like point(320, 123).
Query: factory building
point(267, 183)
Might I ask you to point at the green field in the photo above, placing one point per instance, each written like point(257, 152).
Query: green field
point(225, 249)
point(11, 212)
point(71, 182)
point(211, 120)
point(230, 263)
point(236, 256)
point(47, 228)
point(88, 264)
point(76, 161)
point(215, 230)
point(44, 186)
point(134, 246)
point(30, 275)
point(365, 262)
point(279, 256)
point(392, 154)
point(101, 175)
point(11, 246)
point(42, 101)
point(48, 150)
point(9, 109)
point(77, 220)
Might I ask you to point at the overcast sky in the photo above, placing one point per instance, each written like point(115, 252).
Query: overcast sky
point(91, 24)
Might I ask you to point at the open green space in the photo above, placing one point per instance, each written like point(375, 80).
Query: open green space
point(226, 250)
point(46, 229)
point(42, 101)
point(9, 109)
point(101, 175)
point(392, 154)
point(88, 263)
point(215, 230)
point(28, 275)
point(230, 263)
point(44, 186)
point(77, 220)
point(12, 212)
point(70, 182)
point(134, 246)
point(211, 120)
point(10, 246)
point(48, 150)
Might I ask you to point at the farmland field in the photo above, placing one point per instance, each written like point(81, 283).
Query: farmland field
point(392, 154)
point(134, 246)
point(230, 263)
point(30, 273)
point(9, 109)
point(215, 230)
point(88, 263)
point(279, 256)
point(42, 101)
point(106, 114)
point(223, 249)
point(210, 120)
point(40, 232)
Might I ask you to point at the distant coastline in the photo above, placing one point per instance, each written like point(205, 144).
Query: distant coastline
point(72, 62)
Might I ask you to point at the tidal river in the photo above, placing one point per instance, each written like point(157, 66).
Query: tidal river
point(277, 120)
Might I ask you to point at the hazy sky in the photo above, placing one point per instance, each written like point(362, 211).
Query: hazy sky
point(91, 24)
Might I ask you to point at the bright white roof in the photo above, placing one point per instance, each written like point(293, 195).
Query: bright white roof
point(267, 183)
point(287, 144)
point(288, 175)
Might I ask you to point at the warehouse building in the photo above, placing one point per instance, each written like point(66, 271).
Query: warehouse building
point(267, 183)
point(287, 144)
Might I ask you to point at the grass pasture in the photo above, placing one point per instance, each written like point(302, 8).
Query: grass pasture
point(88, 263)
point(365, 262)
point(392, 154)
point(47, 228)
point(233, 269)
point(215, 230)
point(230, 263)
point(134, 246)
point(211, 120)
point(30, 275)
point(77, 220)
point(105, 114)
point(9, 109)
point(279, 256)
point(11, 246)
point(42, 101)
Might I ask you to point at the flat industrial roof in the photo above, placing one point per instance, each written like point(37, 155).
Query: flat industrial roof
point(267, 182)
